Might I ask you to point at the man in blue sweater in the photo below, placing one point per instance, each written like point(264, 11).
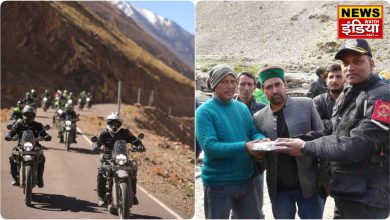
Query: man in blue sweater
point(226, 132)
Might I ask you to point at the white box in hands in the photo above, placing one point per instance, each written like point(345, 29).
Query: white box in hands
point(267, 146)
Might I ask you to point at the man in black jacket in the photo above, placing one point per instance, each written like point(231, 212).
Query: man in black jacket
point(27, 123)
point(319, 86)
point(324, 103)
point(358, 148)
point(107, 138)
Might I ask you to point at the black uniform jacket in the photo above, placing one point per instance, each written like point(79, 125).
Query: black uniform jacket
point(358, 147)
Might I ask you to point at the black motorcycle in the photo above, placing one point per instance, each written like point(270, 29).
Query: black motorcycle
point(26, 155)
point(45, 103)
point(69, 132)
point(81, 103)
point(118, 170)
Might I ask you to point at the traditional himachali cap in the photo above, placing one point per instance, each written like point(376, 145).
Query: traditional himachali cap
point(217, 73)
point(270, 72)
point(358, 45)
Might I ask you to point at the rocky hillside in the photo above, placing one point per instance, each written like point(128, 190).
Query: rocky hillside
point(297, 35)
point(63, 45)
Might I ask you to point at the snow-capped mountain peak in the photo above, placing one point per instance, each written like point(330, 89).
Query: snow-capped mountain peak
point(174, 37)
point(130, 10)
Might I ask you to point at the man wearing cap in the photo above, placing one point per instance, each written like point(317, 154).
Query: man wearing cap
point(226, 132)
point(291, 181)
point(358, 148)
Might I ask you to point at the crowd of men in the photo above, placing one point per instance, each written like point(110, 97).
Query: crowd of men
point(334, 142)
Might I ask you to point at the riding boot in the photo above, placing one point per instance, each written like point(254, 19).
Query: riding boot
point(101, 188)
point(134, 188)
point(61, 137)
point(41, 168)
point(74, 138)
point(14, 172)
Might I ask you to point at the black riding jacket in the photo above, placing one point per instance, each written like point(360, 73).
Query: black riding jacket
point(108, 139)
point(358, 148)
point(21, 125)
point(324, 104)
point(66, 115)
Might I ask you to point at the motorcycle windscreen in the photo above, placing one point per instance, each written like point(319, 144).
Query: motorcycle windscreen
point(27, 136)
point(119, 148)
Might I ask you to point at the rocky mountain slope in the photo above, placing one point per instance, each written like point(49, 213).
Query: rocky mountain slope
point(298, 35)
point(130, 27)
point(174, 37)
point(63, 45)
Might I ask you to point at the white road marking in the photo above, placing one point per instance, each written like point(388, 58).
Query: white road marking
point(139, 187)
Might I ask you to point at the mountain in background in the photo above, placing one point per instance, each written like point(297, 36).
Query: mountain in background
point(65, 45)
point(113, 16)
point(298, 35)
point(178, 40)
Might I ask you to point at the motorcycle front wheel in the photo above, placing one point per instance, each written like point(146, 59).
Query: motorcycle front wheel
point(28, 185)
point(123, 201)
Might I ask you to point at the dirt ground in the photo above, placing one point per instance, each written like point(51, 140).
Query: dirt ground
point(166, 169)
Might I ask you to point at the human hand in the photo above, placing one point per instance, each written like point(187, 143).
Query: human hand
point(141, 148)
point(293, 146)
point(257, 154)
point(8, 137)
point(47, 138)
point(95, 148)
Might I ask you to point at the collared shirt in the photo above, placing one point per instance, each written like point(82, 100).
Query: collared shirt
point(253, 105)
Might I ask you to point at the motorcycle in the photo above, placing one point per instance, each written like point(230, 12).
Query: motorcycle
point(45, 103)
point(81, 103)
point(69, 132)
point(89, 102)
point(26, 155)
point(119, 170)
point(56, 117)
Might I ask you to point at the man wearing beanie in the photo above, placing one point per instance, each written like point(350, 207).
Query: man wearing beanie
point(292, 181)
point(226, 132)
point(358, 148)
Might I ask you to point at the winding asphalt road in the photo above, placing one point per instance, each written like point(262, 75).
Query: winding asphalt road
point(70, 182)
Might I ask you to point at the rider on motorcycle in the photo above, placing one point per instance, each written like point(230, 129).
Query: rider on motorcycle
point(28, 100)
point(33, 94)
point(46, 94)
point(107, 137)
point(17, 113)
point(60, 100)
point(27, 123)
point(68, 114)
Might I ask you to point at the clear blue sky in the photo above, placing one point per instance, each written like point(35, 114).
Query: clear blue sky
point(182, 12)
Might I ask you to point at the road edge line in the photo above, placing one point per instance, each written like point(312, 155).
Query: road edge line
point(139, 187)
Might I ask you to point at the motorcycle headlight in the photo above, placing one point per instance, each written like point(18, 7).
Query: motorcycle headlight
point(120, 159)
point(68, 128)
point(68, 123)
point(45, 99)
point(70, 101)
point(28, 146)
point(59, 111)
point(88, 99)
